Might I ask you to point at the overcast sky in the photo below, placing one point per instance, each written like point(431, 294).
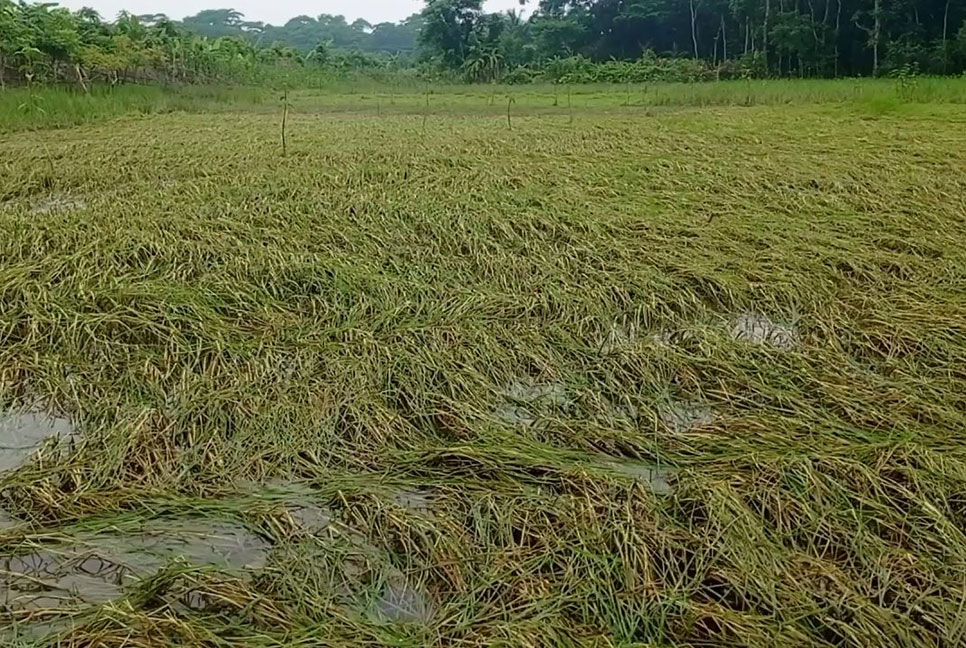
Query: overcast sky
point(276, 12)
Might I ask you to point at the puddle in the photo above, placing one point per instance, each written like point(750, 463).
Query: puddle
point(624, 412)
point(515, 415)
point(49, 580)
point(417, 501)
point(298, 499)
point(687, 416)
point(522, 399)
point(97, 567)
point(545, 394)
point(22, 434)
point(310, 517)
point(58, 203)
point(362, 577)
point(663, 338)
point(402, 603)
point(655, 477)
point(749, 327)
point(619, 336)
point(217, 544)
point(666, 338)
point(34, 634)
point(7, 521)
point(759, 330)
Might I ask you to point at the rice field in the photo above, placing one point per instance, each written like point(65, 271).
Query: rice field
point(467, 367)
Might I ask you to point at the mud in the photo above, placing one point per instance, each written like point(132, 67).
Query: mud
point(311, 518)
point(515, 415)
point(657, 478)
point(22, 434)
point(541, 394)
point(681, 417)
point(759, 330)
point(416, 501)
point(97, 568)
point(625, 412)
point(58, 203)
point(619, 336)
point(522, 401)
point(401, 603)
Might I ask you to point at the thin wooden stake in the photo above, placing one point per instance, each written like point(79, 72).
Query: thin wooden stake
point(509, 101)
point(570, 105)
point(426, 111)
point(284, 120)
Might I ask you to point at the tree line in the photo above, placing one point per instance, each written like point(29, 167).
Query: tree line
point(560, 40)
point(808, 38)
point(47, 43)
point(306, 33)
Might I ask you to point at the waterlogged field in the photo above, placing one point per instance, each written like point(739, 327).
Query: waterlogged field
point(619, 371)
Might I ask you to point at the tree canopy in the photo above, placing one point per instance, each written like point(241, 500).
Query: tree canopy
point(306, 32)
point(761, 37)
point(577, 40)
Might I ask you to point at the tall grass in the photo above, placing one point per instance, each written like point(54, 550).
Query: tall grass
point(45, 107)
point(23, 108)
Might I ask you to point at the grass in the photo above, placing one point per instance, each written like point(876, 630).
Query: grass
point(507, 328)
point(41, 108)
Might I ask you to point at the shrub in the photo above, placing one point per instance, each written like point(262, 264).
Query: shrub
point(650, 67)
point(520, 76)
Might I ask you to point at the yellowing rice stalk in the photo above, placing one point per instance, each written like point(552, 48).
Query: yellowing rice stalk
point(680, 372)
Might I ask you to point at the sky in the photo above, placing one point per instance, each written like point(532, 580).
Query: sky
point(276, 12)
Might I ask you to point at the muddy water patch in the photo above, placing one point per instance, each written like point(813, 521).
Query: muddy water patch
point(356, 570)
point(52, 579)
point(523, 401)
point(309, 517)
point(657, 477)
point(359, 575)
point(22, 434)
point(400, 602)
point(620, 411)
point(759, 330)
point(552, 394)
point(201, 543)
point(685, 416)
point(418, 501)
point(667, 338)
point(40, 633)
point(7, 521)
point(57, 203)
point(296, 500)
point(619, 336)
point(96, 568)
point(749, 327)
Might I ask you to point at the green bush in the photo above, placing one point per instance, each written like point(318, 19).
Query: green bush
point(521, 76)
point(650, 67)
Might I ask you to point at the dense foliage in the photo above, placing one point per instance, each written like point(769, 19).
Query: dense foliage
point(42, 42)
point(305, 33)
point(570, 41)
point(731, 37)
